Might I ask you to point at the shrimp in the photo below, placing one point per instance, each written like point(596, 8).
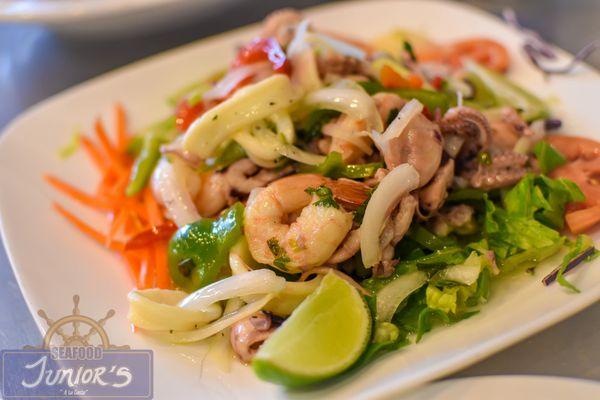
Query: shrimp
point(307, 242)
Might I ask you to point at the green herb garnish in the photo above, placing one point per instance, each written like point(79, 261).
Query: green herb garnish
point(325, 196)
point(281, 256)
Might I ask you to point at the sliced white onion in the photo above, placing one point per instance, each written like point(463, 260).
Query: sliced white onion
point(304, 39)
point(262, 162)
point(337, 45)
point(466, 273)
point(169, 184)
point(459, 86)
point(353, 102)
point(349, 137)
point(249, 105)
point(396, 184)
point(284, 126)
point(234, 77)
point(237, 265)
point(344, 129)
point(299, 43)
point(259, 145)
point(459, 98)
point(395, 292)
point(297, 154)
point(157, 309)
point(305, 74)
point(260, 281)
point(399, 124)
point(214, 327)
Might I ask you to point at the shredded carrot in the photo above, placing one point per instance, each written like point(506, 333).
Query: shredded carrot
point(86, 229)
point(121, 124)
point(76, 194)
point(581, 220)
point(108, 148)
point(154, 214)
point(130, 218)
point(117, 223)
point(93, 152)
point(391, 79)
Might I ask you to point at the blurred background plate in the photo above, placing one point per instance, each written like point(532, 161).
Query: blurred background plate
point(105, 18)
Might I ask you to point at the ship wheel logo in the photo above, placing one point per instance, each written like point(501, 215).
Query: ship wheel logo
point(77, 330)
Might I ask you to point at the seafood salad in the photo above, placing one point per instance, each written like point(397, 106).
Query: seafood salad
point(324, 200)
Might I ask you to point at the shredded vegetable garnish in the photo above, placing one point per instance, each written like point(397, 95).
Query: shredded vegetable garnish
point(130, 218)
point(551, 277)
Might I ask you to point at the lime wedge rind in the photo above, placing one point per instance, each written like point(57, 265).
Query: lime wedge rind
point(323, 337)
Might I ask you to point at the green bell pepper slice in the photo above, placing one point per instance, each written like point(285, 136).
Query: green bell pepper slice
point(508, 93)
point(431, 99)
point(146, 148)
point(198, 251)
point(333, 167)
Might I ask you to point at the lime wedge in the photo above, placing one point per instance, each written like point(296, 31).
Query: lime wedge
point(323, 337)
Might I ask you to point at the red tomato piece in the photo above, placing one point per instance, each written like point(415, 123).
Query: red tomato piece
point(186, 114)
point(263, 49)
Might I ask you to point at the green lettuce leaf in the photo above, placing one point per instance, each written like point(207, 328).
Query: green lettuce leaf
point(582, 243)
point(548, 157)
point(542, 198)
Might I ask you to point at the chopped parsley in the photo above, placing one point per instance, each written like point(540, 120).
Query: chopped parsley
point(409, 49)
point(485, 158)
point(311, 127)
point(281, 257)
point(270, 125)
point(392, 116)
point(325, 196)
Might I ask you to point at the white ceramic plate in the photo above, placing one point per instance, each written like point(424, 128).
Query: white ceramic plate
point(508, 387)
point(100, 18)
point(52, 261)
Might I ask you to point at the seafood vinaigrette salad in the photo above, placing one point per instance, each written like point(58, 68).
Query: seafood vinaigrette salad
point(324, 200)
